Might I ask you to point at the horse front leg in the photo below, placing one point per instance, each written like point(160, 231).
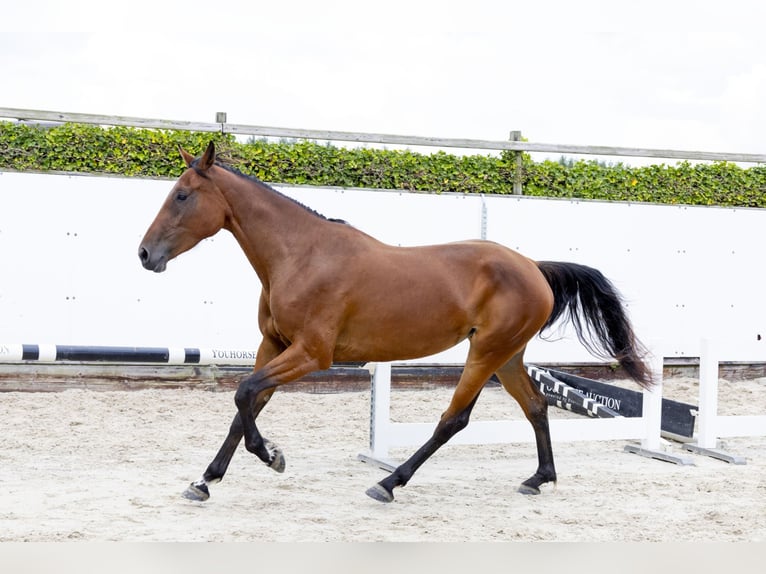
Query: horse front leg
point(270, 347)
point(251, 389)
point(216, 470)
point(290, 365)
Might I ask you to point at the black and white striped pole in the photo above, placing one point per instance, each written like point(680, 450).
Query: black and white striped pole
point(45, 353)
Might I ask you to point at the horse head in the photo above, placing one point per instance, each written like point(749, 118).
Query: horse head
point(194, 209)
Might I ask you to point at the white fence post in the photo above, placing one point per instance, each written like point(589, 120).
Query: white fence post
point(380, 408)
point(708, 394)
point(711, 426)
point(652, 414)
point(380, 412)
point(652, 403)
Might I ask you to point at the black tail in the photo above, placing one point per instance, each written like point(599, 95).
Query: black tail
point(596, 310)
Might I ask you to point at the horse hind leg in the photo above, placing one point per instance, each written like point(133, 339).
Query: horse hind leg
point(515, 380)
point(455, 418)
point(448, 426)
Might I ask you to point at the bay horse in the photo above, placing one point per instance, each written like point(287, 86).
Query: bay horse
point(331, 293)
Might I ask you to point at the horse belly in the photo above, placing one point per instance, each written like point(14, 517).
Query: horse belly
point(384, 349)
point(402, 330)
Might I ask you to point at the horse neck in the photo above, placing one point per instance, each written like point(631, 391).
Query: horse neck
point(271, 228)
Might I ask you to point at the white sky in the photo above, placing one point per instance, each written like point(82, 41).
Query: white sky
point(662, 74)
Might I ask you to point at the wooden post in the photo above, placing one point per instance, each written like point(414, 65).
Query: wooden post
point(517, 175)
point(220, 118)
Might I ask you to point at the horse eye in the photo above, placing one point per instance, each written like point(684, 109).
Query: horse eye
point(181, 196)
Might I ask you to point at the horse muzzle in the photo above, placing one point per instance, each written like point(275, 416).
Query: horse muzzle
point(152, 261)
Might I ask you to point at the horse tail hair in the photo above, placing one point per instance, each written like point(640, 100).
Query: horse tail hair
point(596, 310)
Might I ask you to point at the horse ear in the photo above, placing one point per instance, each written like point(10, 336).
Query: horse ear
point(188, 158)
point(208, 158)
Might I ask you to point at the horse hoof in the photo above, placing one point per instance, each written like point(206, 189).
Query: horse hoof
point(526, 489)
point(277, 458)
point(197, 492)
point(379, 493)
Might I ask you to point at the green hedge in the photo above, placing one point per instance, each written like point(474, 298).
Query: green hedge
point(152, 153)
point(84, 148)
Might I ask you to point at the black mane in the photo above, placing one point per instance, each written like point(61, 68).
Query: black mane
point(252, 178)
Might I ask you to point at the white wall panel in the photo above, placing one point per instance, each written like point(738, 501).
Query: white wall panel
point(71, 274)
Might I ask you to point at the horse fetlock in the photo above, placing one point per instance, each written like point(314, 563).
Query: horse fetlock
point(212, 480)
point(257, 446)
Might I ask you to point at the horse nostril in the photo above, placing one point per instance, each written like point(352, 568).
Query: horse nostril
point(143, 254)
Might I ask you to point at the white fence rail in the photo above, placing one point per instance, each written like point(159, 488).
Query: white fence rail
point(386, 435)
point(711, 425)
